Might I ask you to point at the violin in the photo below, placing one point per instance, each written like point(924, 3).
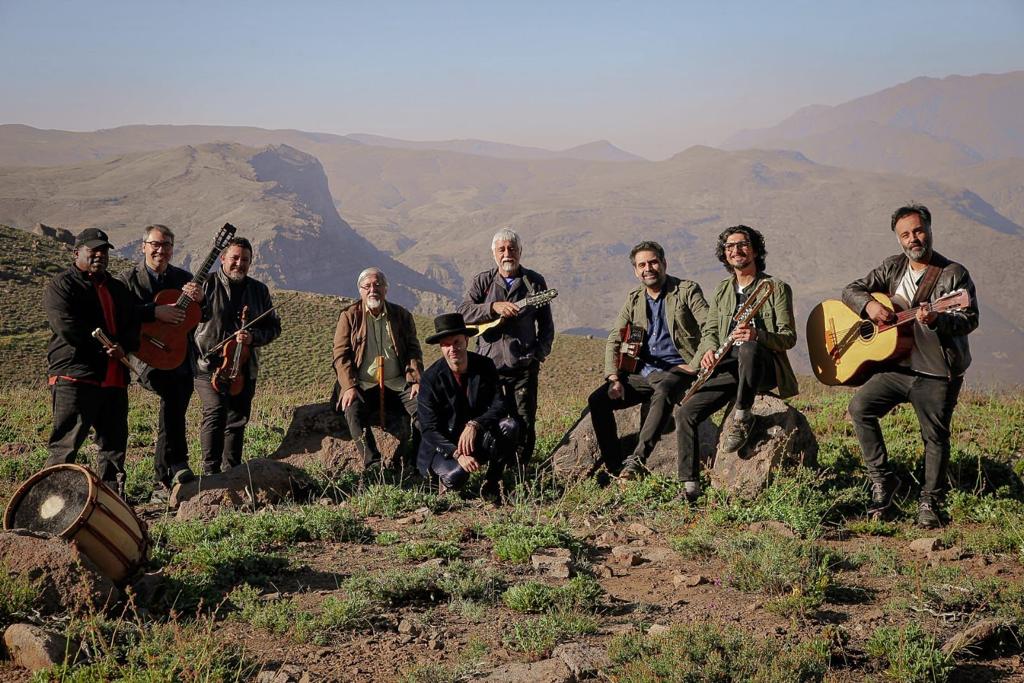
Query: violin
point(228, 379)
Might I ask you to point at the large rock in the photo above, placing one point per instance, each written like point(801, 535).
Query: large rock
point(576, 455)
point(251, 485)
point(64, 579)
point(33, 648)
point(545, 671)
point(781, 437)
point(318, 438)
point(62, 235)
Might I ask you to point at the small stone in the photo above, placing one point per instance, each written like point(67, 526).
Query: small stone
point(772, 526)
point(325, 501)
point(407, 627)
point(556, 562)
point(688, 580)
point(435, 644)
point(436, 563)
point(873, 615)
point(981, 561)
point(658, 629)
point(610, 538)
point(605, 571)
point(925, 545)
point(948, 555)
point(33, 648)
point(609, 570)
point(638, 529)
point(416, 517)
point(545, 671)
point(270, 597)
point(405, 639)
point(582, 660)
point(624, 555)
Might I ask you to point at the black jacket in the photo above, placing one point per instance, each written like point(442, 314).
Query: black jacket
point(142, 286)
point(73, 310)
point(523, 339)
point(952, 328)
point(225, 319)
point(444, 409)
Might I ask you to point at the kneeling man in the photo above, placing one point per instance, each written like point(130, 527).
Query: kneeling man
point(462, 414)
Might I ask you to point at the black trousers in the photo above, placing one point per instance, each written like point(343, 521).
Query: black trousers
point(77, 407)
point(223, 426)
point(520, 389)
point(175, 391)
point(367, 406)
point(496, 448)
point(661, 389)
point(933, 398)
point(748, 369)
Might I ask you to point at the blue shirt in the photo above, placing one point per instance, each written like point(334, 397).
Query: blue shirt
point(659, 352)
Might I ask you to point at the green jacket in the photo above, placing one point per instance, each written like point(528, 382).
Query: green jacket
point(777, 331)
point(685, 308)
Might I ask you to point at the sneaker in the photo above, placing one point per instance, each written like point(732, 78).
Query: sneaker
point(692, 490)
point(928, 516)
point(182, 476)
point(736, 434)
point(882, 494)
point(632, 470)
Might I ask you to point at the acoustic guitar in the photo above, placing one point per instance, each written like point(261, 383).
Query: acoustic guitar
point(845, 348)
point(488, 330)
point(164, 345)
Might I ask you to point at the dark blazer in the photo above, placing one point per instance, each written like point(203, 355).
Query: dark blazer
point(444, 409)
point(73, 310)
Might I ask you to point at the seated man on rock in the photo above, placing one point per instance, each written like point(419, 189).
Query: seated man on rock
point(378, 361)
point(462, 414)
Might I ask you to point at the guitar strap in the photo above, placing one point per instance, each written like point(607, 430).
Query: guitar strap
point(924, 290)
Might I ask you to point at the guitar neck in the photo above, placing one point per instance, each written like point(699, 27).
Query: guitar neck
point(199, 277)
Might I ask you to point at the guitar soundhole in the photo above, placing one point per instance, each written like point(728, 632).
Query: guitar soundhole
point(867, 330)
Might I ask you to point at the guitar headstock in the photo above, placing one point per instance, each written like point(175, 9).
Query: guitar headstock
point(224, 236)
point(540, 298)
point(954, 301)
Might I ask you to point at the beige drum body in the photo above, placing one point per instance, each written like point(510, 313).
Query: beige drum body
point(70, 501)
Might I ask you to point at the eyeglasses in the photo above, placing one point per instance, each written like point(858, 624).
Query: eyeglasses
point(733, 246)
point(156, 246)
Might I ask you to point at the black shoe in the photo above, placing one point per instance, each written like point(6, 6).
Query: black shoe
point(882, 494)
point(691, 490)
point(182, 476)
point(928, 516)
point(736, 434)
point(633, 470)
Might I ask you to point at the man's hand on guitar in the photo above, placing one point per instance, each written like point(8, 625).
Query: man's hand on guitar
point(708, 359)
point(193, 291)
point(614, 388)
point(878, 313)
point(925, 315)
point(744, 333)
point(169, 314)
point(505, 309)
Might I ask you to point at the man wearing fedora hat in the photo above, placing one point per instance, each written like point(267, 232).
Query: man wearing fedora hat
point(88, 382)
point(462, 414)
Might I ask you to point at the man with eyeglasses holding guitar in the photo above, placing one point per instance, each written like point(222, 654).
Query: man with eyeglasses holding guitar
point(174, 385)
point(931, 376)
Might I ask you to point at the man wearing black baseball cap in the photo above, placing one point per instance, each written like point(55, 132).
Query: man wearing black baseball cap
point(87, 380)
point(463, 417)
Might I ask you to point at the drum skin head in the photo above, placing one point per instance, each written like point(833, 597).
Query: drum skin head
point(53, 504)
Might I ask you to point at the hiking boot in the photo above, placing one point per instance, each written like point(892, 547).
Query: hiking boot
point(691, 490)
point(633, 470)
point(882, 494)
point(182, 476)
point(736, 434)
point(928, 515)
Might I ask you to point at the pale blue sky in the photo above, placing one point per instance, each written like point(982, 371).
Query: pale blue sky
point(651, 77)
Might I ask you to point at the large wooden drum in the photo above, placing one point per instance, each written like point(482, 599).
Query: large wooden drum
point(70, 501)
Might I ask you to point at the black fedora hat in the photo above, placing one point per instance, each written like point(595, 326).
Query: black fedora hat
point(448, 324)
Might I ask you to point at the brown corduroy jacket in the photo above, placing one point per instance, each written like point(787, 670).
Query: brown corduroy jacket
point(350, 343)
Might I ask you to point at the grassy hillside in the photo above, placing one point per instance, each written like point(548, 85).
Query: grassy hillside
point(793, 585)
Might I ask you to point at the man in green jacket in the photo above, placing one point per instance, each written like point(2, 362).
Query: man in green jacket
point(670, 312)
point(757, 362)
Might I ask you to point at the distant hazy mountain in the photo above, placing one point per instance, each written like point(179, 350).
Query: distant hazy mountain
point(909, 128)
point(1000, 182)
point(602, 150)
point(277, 197)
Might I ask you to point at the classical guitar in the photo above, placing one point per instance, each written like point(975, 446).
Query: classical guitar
point(534, 301)
point(164, 345)
point(627, 350)
point(845, 348)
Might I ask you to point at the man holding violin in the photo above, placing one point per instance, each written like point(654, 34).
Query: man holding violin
point(174, 386)
point(230, 293)
point(669, 311)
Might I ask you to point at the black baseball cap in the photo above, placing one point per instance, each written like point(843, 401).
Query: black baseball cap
point(92, 238)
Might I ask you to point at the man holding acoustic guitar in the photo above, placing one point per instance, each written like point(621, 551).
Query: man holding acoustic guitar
point(516, 299)
point(738, 359)
point(654, 337)
point(931, 376)
point(174, 385)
